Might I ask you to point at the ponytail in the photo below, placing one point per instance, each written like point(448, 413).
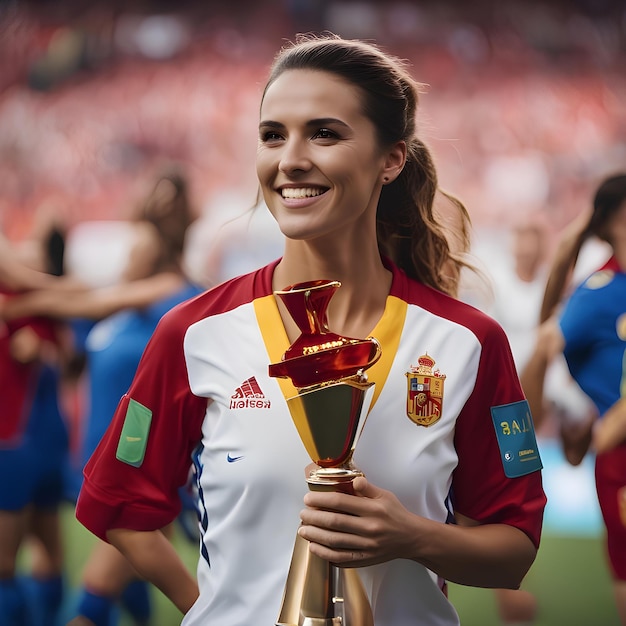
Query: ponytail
point(409, 231)
point(609, 197)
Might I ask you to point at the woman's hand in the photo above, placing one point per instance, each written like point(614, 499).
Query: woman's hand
point(366, 528)
point(372, 526)
point(25, 346)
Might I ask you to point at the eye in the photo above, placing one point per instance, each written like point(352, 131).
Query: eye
point(270, 136)
point(325, 133)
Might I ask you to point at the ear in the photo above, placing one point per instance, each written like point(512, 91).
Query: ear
point(394, 162)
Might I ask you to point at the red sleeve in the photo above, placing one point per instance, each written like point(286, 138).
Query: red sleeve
point(480, 488)
point(144, 495)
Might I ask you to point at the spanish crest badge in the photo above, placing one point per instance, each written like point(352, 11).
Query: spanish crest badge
point(424, 397)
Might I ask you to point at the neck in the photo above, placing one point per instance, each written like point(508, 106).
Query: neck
point(358, 304)
point(526, 273)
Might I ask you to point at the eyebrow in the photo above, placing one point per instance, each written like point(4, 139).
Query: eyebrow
point(321, 121)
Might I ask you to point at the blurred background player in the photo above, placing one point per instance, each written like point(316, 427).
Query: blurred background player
point(33, 443)
point(124, 315)
point(590, 331)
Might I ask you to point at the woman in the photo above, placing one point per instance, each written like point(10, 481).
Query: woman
point(352, 190)
point(590, 331)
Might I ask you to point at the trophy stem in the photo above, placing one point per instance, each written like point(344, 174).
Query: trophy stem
point(318, 593)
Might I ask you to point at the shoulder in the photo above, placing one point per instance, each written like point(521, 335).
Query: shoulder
point(604, 287)
point(447, 309)
point(217, 300)
point(604, 278)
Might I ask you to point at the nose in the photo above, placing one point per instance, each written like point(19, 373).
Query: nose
point(294, 157)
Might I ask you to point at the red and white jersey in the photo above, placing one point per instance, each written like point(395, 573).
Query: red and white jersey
point(203, 390)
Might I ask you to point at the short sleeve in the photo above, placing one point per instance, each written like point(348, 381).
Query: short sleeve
point(132, 479)
point(484, 489)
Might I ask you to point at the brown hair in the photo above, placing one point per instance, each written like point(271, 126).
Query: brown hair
point(408, 230)
point(609, 197)
point(169, 209)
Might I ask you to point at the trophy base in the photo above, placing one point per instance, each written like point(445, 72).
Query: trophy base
point(333, 479)
point(314, 621)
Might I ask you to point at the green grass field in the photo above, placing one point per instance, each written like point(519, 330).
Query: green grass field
point(569, 578)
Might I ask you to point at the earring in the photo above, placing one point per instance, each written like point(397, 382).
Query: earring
point(385, 179)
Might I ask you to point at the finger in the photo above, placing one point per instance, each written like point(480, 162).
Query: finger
point(362, 487)
point(331, 539)
point(351, 520)
point(342, 558)
point(332, 520)
point(337, 501)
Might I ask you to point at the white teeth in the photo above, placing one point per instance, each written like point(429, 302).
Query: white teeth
point(304, 192)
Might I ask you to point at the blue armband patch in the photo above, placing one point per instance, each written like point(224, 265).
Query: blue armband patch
point(516, 438)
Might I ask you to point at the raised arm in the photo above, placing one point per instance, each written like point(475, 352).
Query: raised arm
point(81, 301)
point(16, 276)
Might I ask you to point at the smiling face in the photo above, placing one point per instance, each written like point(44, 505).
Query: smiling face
point(318, 162)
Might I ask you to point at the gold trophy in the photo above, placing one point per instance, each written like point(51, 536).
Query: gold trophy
point(329, 411)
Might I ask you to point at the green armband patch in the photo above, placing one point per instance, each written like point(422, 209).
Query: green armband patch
point(131, 448)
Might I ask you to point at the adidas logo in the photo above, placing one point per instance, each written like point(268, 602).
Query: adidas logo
point(249, 396)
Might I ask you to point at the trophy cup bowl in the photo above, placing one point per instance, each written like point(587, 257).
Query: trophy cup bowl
point(329, 412)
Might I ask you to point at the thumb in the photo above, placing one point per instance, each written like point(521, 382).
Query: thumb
point(362, 487)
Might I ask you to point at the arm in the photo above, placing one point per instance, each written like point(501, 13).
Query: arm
point(154, 558)
point(610, 431)
point(17, 276)
point(373, 526)
point(130, 491)
point(92, 303)
point(549, 342)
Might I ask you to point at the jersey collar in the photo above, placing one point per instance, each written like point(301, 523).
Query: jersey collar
point(387, 331)
point(613, 265)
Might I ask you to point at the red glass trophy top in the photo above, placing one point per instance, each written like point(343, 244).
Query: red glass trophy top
point(318, 355)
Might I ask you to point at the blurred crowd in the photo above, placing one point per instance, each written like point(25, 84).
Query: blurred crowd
point(521, 104)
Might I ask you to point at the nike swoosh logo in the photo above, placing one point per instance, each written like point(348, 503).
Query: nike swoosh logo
point(133, 439)
point(233, 459)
